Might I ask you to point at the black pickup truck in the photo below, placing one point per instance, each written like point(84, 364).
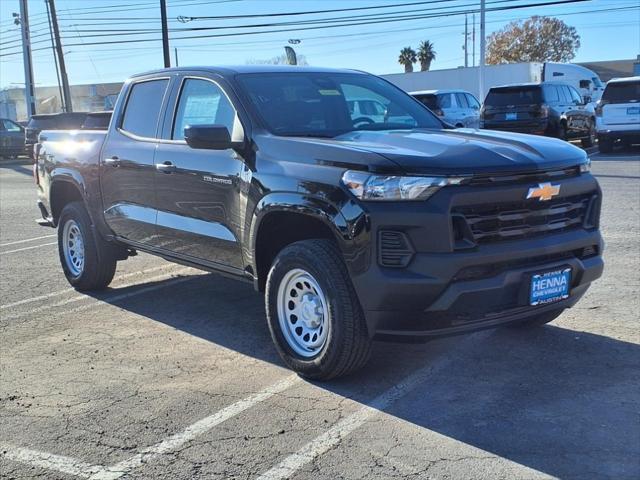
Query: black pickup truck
point(400, 227)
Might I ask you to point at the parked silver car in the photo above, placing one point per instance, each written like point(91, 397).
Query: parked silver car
point(457, 107)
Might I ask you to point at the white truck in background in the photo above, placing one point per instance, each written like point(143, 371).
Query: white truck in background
point(584, 80)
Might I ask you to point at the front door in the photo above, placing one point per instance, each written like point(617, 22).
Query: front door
point(127, 167)
point(199, 191)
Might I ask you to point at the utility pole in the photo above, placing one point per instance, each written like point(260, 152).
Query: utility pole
point(175, 52)
point(165, 34)
point(482, 48)
point(29, 90)
point(66, 91)
point(473, 40)
point(53, 49)
point(466, 42)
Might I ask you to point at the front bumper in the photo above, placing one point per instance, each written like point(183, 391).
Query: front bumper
point(447, 289)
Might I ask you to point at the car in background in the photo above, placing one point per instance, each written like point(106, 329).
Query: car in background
point(456, 107)
point(97, 121)
point(50, 121)
point(549, 108)
point(618, 113)
point(11, 138)
point(366, 111)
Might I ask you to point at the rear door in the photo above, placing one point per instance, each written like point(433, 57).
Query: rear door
point(199, 196)
point(621, 104)
point(127, 165)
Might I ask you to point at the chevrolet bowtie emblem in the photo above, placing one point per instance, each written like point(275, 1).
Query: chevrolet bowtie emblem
point(544, 191)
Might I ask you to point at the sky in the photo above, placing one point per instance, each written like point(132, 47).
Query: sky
point(609, 30)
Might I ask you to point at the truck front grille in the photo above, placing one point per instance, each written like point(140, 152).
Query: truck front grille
point(509, 221)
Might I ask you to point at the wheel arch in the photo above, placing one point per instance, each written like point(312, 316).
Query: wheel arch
point(284, 218)
point(64, 190)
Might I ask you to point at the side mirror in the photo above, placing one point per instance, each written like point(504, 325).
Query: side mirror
point(209, 137)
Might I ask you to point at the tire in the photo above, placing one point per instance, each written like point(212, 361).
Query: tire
point(88, 262)
point(591, 139)
point(538, 320)
point(605, 145)
point(562, 131)
point(322, 282)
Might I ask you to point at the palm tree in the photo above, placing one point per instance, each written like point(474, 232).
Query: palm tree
point(407, 58)
point(426, 55)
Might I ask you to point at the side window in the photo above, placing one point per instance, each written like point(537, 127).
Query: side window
point(202, 103)
point(565, 95)
point(473, 103)
point(585, 83)
point(143, 108)
point(10, 126)
point(575, 96)
point(444, 101)
point(461, 99)
point(551, 94)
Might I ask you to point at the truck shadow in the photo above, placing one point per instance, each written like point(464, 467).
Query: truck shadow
point(559, 401)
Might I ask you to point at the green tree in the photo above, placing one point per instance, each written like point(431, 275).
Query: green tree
point(537, 39)
point(407, 58)
point(426, 55)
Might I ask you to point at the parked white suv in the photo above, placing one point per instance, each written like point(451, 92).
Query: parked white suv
point(618, 113)
point(457, 107)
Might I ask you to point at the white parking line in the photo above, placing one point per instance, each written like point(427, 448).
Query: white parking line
point(28, 248)
point(26, 240)
point(332, 437)
point(77, 468)
point(50, 461)
point(68, 290)
point(102, 301)
point(192, 431)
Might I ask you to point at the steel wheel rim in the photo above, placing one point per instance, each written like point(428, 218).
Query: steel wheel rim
point(73, 247)
point(303, 313)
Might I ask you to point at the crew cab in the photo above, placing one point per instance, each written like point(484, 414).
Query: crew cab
point(618, 113)
point(352, 231)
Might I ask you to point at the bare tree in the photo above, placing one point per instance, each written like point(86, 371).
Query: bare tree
point(537, 39)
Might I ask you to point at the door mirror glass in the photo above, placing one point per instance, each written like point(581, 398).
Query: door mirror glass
point(211, 137)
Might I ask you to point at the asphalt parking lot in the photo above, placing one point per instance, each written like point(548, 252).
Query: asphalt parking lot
point(171, 374)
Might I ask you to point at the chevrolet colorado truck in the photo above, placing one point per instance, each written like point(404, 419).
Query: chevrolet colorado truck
point(398, 228)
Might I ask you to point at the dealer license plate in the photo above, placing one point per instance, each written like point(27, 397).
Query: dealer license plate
point(511, 116)
point(550, 287)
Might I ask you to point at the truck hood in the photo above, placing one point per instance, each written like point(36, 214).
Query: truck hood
point(460, 151)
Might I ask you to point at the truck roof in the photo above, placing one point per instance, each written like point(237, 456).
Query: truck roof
point(625, 80)
point(227, 70)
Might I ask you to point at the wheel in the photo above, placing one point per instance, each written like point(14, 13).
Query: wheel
point(562, 131)
point(538, 320)
point(314, 316)
point(605, 145)
point(591, 139)
point(88, 262)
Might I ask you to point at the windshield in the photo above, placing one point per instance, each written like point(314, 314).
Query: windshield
point(623, 92)
point(502, 97)
point(329, 104)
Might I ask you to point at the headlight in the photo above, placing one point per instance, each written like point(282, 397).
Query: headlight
point(366, 186)
point(586, 166)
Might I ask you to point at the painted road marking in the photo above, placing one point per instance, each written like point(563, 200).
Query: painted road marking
point(28, 248)
point(50, 461)
point(26, 240)
point(106, 300)
point(71, 289)
point(77, 468)
point(332, 437)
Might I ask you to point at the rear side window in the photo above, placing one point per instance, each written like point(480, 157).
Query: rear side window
point(565, 94)
point(503, 97)
point(202, 103)
point(461, 100)
point(143, 108)
point(9, 126)
point(623, 92)
point(444, 101)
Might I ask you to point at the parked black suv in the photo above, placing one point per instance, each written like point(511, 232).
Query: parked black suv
point(549, 108)
point(11, 138)
point(397, 228)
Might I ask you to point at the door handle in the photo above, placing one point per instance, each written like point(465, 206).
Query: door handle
point(166, 167)
point(113, 161)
